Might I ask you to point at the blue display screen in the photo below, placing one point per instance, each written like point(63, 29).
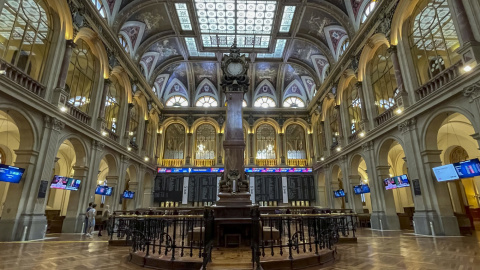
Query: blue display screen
point(11, 174)
point(339, 193)
point(128, 194)
point(190, 170)
point(467, 169)
point(278, 170)
point(73, 184)
point(104, 190)
point(360, 189)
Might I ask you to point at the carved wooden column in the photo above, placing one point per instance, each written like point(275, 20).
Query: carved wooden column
point(60, 96)
point(402, 98)
point(234, 143)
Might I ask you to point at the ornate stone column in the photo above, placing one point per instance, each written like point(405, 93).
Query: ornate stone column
point(356, 204)
point(402, 98)
point(390, 220)
point(75, 216)
point(470, 48)
point(145, 138)
point(311, 148)
point(323, 142)
point(189, 148)
point(103, 100)
point(281, 151)
point(363, 108)
point(60, 95)
point(339, 123)
point(127, 124)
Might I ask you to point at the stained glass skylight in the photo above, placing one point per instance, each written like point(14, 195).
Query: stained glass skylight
point(183, 16)
point(193, 51)
point(278, 53)
point(287, 18)
point(250, 21)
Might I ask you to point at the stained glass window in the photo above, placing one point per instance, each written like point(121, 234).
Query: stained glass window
point(177, 101)
point(193, 51)
point(206, 102)
point(183, 16)
point(287, 18)
point(266, 141)
point(278, 53)
point(205, 142)
point(174, 142)
point(264, 102)
point(293, 102)
point(295, 139)
point(433, 39)
point(250, 22)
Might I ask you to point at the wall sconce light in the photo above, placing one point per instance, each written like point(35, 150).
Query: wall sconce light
point(104, 133)
point(129, 148)
point(130, 133)
point(63, 109)
point(399, 111)
point(339, 149)
point(362, 134)
point(322, 159)
point(147, 159)
point(467, 68)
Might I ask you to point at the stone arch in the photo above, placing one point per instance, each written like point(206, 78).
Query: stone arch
point(383, 148)
point(374, 42)
point(213, 93)
point(345, 79)
point(354, 163)
point(205, 120)
point(289, 92)
point(123, 78)
point(112, 162)
point(182, 90)
point(63, 11)
point(267, 93)
point(27, 128)
point(270, 121)
point(306, 127)
point(97, 47)
point(79, 146)
point(175, 120)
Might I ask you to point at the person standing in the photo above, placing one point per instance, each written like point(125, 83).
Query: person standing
point(91, 220)
point(85, 228)
point(105, 217)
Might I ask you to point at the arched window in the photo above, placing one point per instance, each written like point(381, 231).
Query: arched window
point(174, 142)
point(134, 119)
point(99, 6)
point(433, 39)
point(343, 48)
point(266, 142)
point(207, 102)
point(296, 154)
point(333, 121)
point(368, 10)
point(177, 101)
point(124, 43)
point(383, 79)
point(293, 102)
point(26, 35)
point(3, 157)
point(352, 99)
point(205, 145)
point(112, 104)
point(148, 137)
point(264, 102)
point(81, 76)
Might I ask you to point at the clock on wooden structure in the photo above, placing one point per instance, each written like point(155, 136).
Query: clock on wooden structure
point(235, 68)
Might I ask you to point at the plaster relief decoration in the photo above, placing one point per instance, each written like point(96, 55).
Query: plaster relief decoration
point(148, 63)
point(304, 51)
point(174, 142)
point(294, 72)
point(133, 32)
point(321, 66)
point(206, 88)
point(176, 88)
point(295, 88)
point(356, 10)
point(266, 71)
point(265, 89)
point(205, 70)
point(310, 87)
point(113, 6)
point(160, 83)
point(154, 17)
point(158, 53)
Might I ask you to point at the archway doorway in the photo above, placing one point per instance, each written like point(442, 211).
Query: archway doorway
point(359, 176)
point(337, 184)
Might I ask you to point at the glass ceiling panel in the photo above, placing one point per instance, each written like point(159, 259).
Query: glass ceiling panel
point(193, 51)
point(183, 16)
point(287, 18)
point(278, 53)
point(250, 21)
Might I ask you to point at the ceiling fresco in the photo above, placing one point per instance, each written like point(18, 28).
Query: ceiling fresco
point(166, 49)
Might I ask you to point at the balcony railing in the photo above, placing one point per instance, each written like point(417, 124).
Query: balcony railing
point(386, 115)
point(21, 78)
point(297, 162)
point(172, 162)
point(266, 162)
point(353, 137)
point(204, 162)
point(112, 135)
point(438, 81)
point(78, 114)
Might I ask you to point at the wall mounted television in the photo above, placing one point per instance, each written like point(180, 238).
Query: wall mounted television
point(339, 193)
point(73, 184)
point(389, 183)
point(128, 194)
point(11, 174)
point(104, 190)
point(468, 169)
point(360, 189)
point(59, 182)
point(401, 181)
point(445, 173)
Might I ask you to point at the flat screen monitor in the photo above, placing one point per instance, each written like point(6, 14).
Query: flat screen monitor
point(357, 189)
point(127, 194)
point(104, 190)
point(59, 182)
point(365, 189)
point(401, 181)
point(73, 184)
point(339, 193)
point(446, 173)
point(11, 174)
point(389, 183)
point(467, 169)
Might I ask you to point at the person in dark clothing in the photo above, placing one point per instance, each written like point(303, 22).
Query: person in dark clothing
point(86, 219)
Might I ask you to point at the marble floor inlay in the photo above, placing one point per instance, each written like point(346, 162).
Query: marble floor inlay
point(374, 250)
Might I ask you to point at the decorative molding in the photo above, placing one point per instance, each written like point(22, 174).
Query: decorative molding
point(53, 123)
point(98, 145)
point(368, 146)
point(407, 125)
point(472, 92)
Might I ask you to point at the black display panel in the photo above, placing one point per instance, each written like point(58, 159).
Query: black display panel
point(268, 188)
point(202, 188)
point(301, 188)
point(168, 188)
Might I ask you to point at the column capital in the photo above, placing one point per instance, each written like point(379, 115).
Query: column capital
point(130, 105)
point(407, 125)
point(98, 145)
point(368, 146)
point(472, 92)
point(359, 84)
point(392, 49)
point(53, 123)
point(71, 44)
point(107, 82)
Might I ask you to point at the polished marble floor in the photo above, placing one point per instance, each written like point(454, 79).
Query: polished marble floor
point(374, 250)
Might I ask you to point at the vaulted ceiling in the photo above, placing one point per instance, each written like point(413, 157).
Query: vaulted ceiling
point(291, 44)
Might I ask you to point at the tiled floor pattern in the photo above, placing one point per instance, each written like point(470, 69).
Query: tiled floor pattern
point(374, 250)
